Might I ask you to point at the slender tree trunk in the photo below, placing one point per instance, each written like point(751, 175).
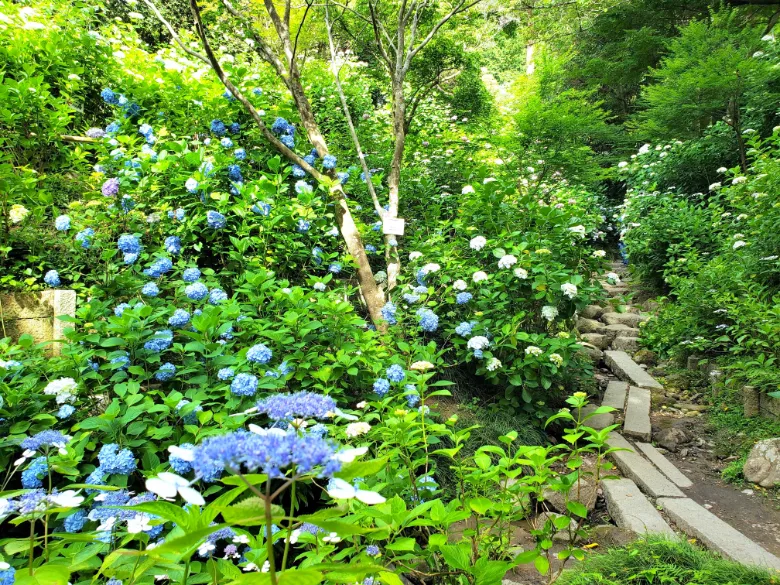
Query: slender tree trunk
point(530, 64)
point(394, 177)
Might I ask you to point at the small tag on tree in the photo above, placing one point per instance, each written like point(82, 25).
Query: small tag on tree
point(393, 226)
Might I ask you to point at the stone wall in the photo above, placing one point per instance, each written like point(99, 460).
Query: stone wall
point(36, 314)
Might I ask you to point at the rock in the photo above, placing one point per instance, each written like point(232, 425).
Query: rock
point(671, 438)
point(646, 357)
point(592, 312)
point(650, 306)
point(751, 401)
point(561, 535)
point(587, 496)
point(692, 407)
point(693, 362)
point(609, 536)
point(763, 464)
point(614, 331)
point(596, 339)
point(629, 319)
point(594, 353)
point(627, 344)
point(590, 326)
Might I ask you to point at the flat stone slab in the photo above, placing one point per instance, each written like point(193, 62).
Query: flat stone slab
point(612, 332)
point(615, 395)
point(629, 319)
point(700, 523)
point(637, 423)
point(600, 421)
point(590, 326)
point(667, 467)
point(627, 369)
point(640, 470)
point(630, 509)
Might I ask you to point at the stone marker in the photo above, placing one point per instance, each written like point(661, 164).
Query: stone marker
point(640, 470)
point(637, 423)
point(763, 463)
point(627, 369)
point(698, 522)
point(631, 510)
point(667, 467)
point(615, 395)
point(35, 314)
point(629, 319)
point(751, 401)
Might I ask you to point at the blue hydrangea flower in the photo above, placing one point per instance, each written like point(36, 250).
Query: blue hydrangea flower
point(192, 416)
point(62, 223)
point(116, 461)
point(84, 237)
point(120, 309)
point(262, 208)
point(282, 126)
point(173, 245)
point(298, 172)
point(239, 153)
point(234, 173)
point(177, 214)
point(411, 299)
point(303, 226)
point(196, 291)
point(145, 130)
point(412, 397)
point(226, 142)
point(113, 128)
point(257, 91)
point(244, 385)
point(429, 321)
point(298, 405)
point(316, 253)
point(310, 158)
point(376, 226)
point(161, 341)
point(395, 373)
point(372, 550)
point(110, 187)
point(302, 187)
point(150, 289)
point(329, 162)
point(130, 258)
point(109, 96)
point(165, 372)
point(343, 177)
point(370, 248)
point(159, 267)
point(235, 127)
point(128, 244)
point(381, 387)
point(217, 296)
point(190, 275)
point(123, 360)
point(288, 141)
point(191, 185)
point(179, 318)
point(463, 298)
point(215, 219)
point(259, 354)
point(75, 522)
point(335, 268)
point(65, 411)
point(464, 329)
point(225, 374)
point(179, 465)
point(218, 127)
point(32, 476)
point(388, 313)
point(52, 278)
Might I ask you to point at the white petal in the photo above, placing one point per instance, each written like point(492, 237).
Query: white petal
point(257, 430)
point(344, 415)
point(184, 454)
point(161, 488)
point(173, 479)
point(370, 497)
point(349, 455)
point(339, 489)
point(191, 496)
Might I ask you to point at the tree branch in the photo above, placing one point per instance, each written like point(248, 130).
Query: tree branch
point(173, 34)
point(262, 48)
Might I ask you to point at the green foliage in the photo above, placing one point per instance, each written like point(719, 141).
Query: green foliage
point(655, 560)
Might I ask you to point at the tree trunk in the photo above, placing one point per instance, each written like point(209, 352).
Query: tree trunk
point(394, 178)
point(530, 64)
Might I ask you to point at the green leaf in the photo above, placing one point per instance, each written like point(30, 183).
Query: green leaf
point(542, 564)
point(390, 578)
point(577, 509)
point(44, 575)
point(457, 557)
point(402, 544)
point(480, 505)
point(362, 469)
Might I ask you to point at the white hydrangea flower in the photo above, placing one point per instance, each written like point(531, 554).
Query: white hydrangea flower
point(477, 243)
point(533, 350)
point(569, 290)
point(478, 342)
point(319, 286)
point(715, 186)
point(507, 261)
point(64, 389)
point(460, 285)
point(521, 273)
point(356, 429)
point(479, 276)
point(578, 230)
point(721, 170)
point(613, 278)
point(599, 254)
point(739, 244)
point(549, 312)
point(557, 359)
point(738, 180)
point(430, 267)
point(467, 189)
point(17, 213)
point(414, 256)
point(493, 364)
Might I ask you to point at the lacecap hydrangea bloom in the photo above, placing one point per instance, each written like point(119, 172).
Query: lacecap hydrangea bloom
point(298, 405)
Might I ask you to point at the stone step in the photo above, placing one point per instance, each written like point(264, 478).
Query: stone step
point(640, 470)
point(590, 326)
point(630, 509)
point(615, 395)
point(592, 312)
point(700, 523)
point(667, 467)
point(596, 340)
point(612, 332)
point(600, 421)
point(627, 344)
point(627, 369)
point(629, 319)
point(637, 423)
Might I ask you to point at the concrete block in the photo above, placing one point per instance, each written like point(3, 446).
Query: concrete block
point(627, 344)
point(24, 306)
point(640, 470)
point(627, 369)
point(637, 423)
point(615, 395)
point(36, 314)
point(629, 319)
point(630, 509)
point(700, 523)
point(667, 467)
point(600, 421)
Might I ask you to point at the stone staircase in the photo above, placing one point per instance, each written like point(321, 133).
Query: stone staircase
point(651, 497)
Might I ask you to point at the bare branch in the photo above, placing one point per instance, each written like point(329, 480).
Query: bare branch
point(300, 28)
point(173, 34)
point(378, 27)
